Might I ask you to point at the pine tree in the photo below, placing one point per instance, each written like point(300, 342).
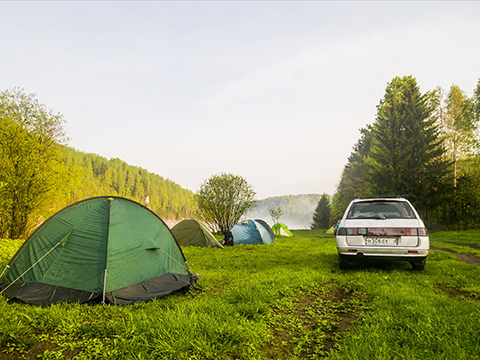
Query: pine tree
point(321, 215)
point(406, 154)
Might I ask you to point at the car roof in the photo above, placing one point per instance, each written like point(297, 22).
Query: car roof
point(380, 199)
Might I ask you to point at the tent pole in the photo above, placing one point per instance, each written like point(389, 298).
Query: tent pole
point(106, 252)
point(3, 272)
point(104, 282)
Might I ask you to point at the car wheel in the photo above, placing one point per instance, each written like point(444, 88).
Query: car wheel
point(343, 262)
point(419, 265)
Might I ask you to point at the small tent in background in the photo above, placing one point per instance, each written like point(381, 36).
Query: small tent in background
point(192, 232)
point(281, 229)
point(251, 232)
point(267, 227)
point(107, 248)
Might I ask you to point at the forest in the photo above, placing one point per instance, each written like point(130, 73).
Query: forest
point(93, 175)
point(425, 147)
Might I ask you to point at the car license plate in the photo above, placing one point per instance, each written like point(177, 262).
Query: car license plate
point(381, 241)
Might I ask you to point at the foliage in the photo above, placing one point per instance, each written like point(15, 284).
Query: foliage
point(32, 175)
point(459, 125)
point(275, 213)
point(94, 175)
point(223, 199)
point(287, 300)
point(458, 118)
point(321, 215)
point(464, 201)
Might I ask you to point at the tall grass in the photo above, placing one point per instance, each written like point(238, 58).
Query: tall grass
point(288, 300)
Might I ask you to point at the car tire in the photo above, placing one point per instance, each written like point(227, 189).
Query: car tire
point(419, 265)
point(343, 262)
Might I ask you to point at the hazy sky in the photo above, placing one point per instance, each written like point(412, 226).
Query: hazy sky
point(274, 91)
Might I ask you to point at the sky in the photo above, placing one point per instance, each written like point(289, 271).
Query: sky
point(273, 91)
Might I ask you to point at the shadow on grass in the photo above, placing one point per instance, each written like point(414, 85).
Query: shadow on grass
point(362, 263)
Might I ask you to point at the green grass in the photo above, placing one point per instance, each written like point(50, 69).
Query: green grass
point(470, 237)
point(458, 241)
point(288, 300)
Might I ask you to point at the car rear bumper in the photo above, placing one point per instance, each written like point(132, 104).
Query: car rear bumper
point(387, 252)
point(419, 249)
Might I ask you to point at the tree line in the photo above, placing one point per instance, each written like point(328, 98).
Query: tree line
point(94, 175)
point(423, 146)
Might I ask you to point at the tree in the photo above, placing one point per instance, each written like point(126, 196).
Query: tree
point(459, 128)
point(275, 213)
point(321, 215)
point(32, 174)
point(223, 199)
point(406, 155)
point(458, 120)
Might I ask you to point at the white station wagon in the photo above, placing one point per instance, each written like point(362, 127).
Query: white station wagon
point(387, 228)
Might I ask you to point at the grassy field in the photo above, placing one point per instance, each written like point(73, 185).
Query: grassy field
point(288, 300)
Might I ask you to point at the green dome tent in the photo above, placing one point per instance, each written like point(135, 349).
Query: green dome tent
point(192, 232)
point(106, 248)
point(281, 229)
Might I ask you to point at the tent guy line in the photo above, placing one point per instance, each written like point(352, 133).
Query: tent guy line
point(30, 268)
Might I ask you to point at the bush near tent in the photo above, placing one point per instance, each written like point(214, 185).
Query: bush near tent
point(106, 248)
point(281, 229)
point(191, 232)
point(251, 232)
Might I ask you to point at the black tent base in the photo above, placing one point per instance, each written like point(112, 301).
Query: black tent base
point(45, 294)
point(150, 289)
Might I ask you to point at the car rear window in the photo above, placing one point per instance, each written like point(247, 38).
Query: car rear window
point(381, 210)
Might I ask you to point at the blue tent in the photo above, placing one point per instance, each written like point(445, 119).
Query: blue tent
point(251, 232)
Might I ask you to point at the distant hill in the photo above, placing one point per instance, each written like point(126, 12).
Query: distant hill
point(93, 175)
point(297, 210)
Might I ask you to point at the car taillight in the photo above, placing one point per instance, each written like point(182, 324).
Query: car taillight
point(422, 232)
point(352, 231)
point(383, 231)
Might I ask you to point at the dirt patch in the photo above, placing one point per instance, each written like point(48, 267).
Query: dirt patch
point(310, 324)
point(456, 293)
point(35, 352)
point(469, 258)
